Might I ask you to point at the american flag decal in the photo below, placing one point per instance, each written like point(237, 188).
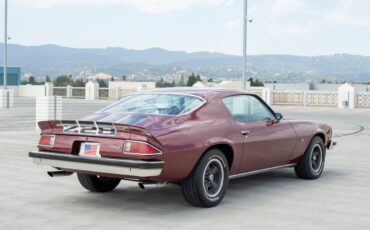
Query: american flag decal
point(91, 149)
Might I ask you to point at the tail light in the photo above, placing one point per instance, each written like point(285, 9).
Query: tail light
point(47, 140)
point(140, 148)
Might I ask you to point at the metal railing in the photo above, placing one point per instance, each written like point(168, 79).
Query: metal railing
point(305, 98)
point(363, 99)
point(78, 92)
point(60, 91)
point(103, 93)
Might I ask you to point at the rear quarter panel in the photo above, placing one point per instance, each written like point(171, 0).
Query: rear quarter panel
point(185, 141)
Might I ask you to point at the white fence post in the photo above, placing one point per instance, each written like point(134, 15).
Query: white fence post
point(267, 95)
point(48, 108)
point(92, 90)
point(347, 96)
point(6, 98)
point(49, 89)
point(69, 91)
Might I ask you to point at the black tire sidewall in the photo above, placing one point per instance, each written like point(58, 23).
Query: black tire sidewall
point(316, 141)
point(95, 184)
point(210, 155)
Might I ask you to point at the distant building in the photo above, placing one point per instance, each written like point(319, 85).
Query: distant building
point(223, 84)
point(201, 84)
point(233, 84)
point(334, 87)
point(289, 86)
point(310, 86)
point(101, 76)
point(118, 89)
point(14, 76)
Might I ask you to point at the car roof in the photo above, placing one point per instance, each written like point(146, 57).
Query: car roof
point(200, 92)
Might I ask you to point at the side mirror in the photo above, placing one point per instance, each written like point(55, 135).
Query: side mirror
point(278, 116)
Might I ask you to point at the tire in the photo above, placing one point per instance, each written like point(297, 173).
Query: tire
point(312, 164)
point(96, 183)
point(206, 185)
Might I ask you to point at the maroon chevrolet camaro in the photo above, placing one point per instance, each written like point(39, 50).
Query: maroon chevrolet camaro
point(196, 138)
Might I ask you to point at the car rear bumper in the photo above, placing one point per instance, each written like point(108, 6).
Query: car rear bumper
point(123, 167)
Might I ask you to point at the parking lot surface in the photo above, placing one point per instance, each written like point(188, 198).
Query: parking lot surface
point(340, 199)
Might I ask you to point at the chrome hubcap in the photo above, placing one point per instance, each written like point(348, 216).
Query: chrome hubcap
point(316, 158)
point(213, 177)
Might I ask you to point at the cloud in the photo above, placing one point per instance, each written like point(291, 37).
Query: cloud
point(292, 29)
point(354, 13)
point(147, 6)
point(288, 6)
point(234, 24)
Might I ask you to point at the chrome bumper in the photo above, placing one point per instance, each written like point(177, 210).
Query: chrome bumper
point(332, 144)
point(135, 168)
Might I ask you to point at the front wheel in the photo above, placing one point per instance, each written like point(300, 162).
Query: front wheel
point(206, 185)
point(313, 161)
point(97, 183)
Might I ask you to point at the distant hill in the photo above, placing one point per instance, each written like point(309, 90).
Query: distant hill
point(156, 62)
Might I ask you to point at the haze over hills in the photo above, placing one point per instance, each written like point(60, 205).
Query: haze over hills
point(158, 63)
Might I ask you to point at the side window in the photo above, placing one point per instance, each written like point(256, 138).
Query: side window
point(246, 108)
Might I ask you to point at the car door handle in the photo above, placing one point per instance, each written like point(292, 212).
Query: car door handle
point(245, 132)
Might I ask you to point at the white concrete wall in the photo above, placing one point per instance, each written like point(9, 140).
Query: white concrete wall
point(91, 90)
point(131, 85)
point(233, 85)
point(288, 86)
point(347, 96)
point(48, 108)
point(6, 98)
point(31, 90)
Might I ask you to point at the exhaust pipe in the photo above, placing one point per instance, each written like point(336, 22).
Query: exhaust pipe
point(151, 185)
point(59, 173)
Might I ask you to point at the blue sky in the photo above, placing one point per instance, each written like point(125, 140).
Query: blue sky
point(301, 27)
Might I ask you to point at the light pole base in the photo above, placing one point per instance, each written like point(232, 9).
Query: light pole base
point(6, 98)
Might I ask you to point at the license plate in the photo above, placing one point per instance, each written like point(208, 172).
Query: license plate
point(90, 150)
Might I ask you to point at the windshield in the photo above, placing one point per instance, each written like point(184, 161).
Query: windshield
point(168, 104)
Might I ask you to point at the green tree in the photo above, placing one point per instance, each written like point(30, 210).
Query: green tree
point(79, 83)
point(32, 80)
point(102, 83)
point(210, 80)
point(47, 78)
point(197, 78)
point(112, 78)
point(124, 78)
point(164, 84)
point(63, 81)
point(255, 83)
point(191, 80)
point(181, 83)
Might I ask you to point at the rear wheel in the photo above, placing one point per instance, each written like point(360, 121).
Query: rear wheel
point(313, 161)
point(206, 185)
point(97, 183)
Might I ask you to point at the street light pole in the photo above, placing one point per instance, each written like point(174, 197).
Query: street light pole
point(5, 75)
point(245, 23)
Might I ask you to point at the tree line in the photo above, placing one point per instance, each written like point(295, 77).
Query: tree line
point(65, 80)
point(190, 81)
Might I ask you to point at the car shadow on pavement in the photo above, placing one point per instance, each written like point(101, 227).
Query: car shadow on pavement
point(167, 199)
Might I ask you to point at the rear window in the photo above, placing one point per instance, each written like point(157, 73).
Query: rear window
point(167, 104)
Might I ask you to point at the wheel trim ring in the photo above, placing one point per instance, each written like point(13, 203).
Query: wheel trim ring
point(221, 182)
point(318, 154)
